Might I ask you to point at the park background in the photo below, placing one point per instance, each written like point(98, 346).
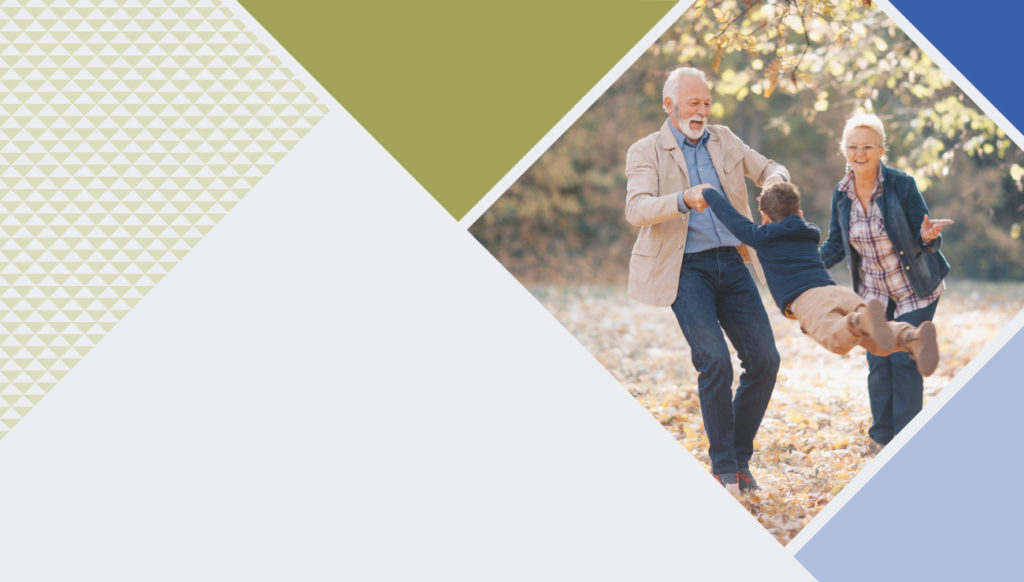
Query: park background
point(785, 76)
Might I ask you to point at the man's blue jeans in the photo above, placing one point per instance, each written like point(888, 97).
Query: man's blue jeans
point(895, 388)
point(717, 293)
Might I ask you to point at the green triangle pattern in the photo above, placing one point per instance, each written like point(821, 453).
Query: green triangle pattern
point(128, 129)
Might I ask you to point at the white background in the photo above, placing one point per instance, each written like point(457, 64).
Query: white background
point(340, 383)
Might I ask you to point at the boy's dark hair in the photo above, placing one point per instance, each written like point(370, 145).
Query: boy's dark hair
point(779, 200)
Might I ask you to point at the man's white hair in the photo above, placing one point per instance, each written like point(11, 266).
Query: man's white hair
point(868, 120)
point(672, 83)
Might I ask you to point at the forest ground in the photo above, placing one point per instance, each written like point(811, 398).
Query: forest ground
point(813, 439)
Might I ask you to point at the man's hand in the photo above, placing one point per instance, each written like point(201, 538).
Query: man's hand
point(694, 197)
point(931, 229)
point(773, 179)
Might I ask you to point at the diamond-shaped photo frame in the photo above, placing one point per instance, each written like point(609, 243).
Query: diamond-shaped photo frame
point(784, 78)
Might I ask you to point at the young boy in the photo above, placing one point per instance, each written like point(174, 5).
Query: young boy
point(835, 317)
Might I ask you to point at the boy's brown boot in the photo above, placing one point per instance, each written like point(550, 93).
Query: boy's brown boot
point(871, 322)
point(923, 347)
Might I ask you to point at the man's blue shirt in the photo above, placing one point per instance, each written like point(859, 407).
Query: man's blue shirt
point(705, 231)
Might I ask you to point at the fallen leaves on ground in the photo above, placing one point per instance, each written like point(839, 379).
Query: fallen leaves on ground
point(813, 439)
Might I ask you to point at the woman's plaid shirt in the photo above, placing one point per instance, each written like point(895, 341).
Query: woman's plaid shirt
point(881, 274)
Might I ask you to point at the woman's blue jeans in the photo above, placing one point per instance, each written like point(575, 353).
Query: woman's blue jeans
point(716, 293)
point(895, 388)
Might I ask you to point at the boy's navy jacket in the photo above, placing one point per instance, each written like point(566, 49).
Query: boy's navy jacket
point(788, 250)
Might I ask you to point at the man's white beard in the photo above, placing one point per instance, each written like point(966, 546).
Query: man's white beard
point(693, 134)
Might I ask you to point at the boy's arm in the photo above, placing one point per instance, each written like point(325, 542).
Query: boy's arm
point(741, 227)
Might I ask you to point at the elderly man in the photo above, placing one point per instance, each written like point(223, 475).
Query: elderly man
point(690, 261)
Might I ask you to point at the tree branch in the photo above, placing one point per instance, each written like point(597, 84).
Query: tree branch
point(737, 17)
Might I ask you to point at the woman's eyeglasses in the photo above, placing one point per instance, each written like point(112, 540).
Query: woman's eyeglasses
point(868, 149)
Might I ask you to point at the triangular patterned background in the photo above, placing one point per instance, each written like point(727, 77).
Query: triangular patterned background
point(127, 130)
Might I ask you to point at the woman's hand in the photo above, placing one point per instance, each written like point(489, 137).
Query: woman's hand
point(931, 229)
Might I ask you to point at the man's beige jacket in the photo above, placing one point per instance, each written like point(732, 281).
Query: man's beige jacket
point(655, 173)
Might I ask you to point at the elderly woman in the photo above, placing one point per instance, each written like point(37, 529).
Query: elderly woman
point(880, 223)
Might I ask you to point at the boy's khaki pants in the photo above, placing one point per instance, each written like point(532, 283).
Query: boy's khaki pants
point(825, 314)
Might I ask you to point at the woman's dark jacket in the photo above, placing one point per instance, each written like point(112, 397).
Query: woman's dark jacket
point(903, 209)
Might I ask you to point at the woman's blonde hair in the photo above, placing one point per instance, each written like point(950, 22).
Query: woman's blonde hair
point(868, 120)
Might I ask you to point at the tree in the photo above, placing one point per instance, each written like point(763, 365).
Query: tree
point(846, 55)
point(786, 75)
